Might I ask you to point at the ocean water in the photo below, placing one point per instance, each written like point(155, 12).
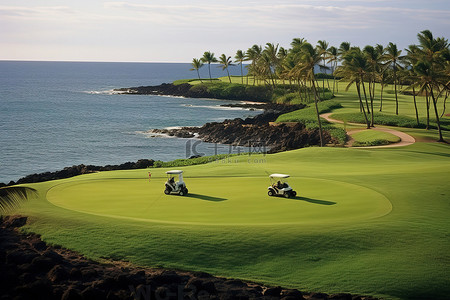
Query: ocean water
point(59, 114)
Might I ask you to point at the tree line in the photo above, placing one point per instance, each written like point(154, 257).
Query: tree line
point(424, 68)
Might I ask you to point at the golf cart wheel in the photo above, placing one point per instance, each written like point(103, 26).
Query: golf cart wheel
point(186, 191)
point(270, 193)
point(166, 191)
point(286, 195)
point(181, 193)
point(294, 193)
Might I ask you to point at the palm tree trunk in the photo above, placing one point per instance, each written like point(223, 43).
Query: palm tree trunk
point(381, 96)
point(371, 104)
point(209, 69)
point(441, 139)
point(415, 105)
point(242, 74)
point(428, 109)
point(445, 100)
point(365, 95)
point(395, 91)
point(362, 105)
point(198, 73)
point(229, 78)
point(316, 97)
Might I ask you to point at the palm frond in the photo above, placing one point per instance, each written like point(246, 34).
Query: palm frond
point(12, 197)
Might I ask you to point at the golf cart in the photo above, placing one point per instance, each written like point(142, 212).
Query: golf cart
point(280, 187)
point(175, 187)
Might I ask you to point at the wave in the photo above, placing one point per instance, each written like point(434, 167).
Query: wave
point(218, 107)
point(106, 92)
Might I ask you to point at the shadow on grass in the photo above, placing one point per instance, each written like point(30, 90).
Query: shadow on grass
point(314, 201)
point(205, 197)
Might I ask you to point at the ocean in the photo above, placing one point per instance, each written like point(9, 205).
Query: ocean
point(59, 114)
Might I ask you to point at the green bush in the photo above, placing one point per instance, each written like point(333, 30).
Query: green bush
point(190, 161)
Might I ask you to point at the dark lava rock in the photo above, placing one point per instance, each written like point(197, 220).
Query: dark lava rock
point(292, 293)
point(58, 274)
point(71, 294)
point(14, 221)
point(42, 264)
point(274, 292)
point(91, 293)
point(341, 296)
point(21, 256)
point(318, 296)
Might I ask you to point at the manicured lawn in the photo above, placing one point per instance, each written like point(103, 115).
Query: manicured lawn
point(373, 138)
point(365, 221)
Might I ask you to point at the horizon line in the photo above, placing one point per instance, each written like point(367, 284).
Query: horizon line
point(94, 61)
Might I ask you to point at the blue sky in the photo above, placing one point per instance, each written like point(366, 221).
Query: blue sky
point(177, 31)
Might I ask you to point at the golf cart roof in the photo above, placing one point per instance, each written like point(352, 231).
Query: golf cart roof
point(279, 175)
point(174, 172)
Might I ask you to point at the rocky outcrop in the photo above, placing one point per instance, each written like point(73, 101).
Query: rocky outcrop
point(253, 132)
point(235, 92)
point(79, 170)
point(33, 270)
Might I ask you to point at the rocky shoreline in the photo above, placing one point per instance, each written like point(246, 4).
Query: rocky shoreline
point(31, 269)
point(258, 131)
point(243, 93)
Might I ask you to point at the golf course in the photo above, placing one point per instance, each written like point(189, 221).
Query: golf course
point(365, 221)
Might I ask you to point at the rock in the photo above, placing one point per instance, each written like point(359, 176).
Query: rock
point(39, 245)
point(14, 221)
point(88, 272)
point(235, 283)
point(21, 256)
point(167, 277)
point(57, 274)
point(71, 294)
point(318, 296)
point(41, 264)
point(92, 293)
point(53, 256)
point(75, 273)
point(292, 294)
point(274, 292)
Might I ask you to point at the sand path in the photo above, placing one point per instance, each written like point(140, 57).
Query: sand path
point(405, 139)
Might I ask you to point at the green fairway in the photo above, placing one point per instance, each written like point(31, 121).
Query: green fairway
point(365, 221)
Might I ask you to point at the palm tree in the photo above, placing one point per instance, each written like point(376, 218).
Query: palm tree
point(253, 54)
point(240, 58)
point(309, 58)
point(322, 47)
point(381, 71)
point(208, 57)
point(393, 58)
point(225, 62)
point(270, 54)
point(430, 80)
point(196, 65)
point(353, 69)
point(432, 56)
point(333, 59)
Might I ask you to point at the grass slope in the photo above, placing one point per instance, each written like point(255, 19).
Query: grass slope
point(366, 221)
point(373, 138)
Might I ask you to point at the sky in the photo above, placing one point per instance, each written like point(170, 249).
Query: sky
point(177, 31)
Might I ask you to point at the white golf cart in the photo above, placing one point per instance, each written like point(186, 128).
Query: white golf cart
point(175, 187)
point(280, 187)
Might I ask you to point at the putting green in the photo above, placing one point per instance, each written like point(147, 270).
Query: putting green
point(222, 201)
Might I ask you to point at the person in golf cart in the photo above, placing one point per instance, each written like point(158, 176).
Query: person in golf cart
point(172, 187)
point(280, 187)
